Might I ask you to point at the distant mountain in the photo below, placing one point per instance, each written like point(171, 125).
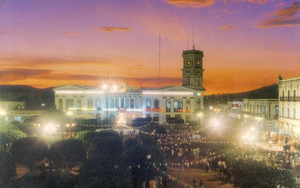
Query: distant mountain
point(267, 92)
point(36, 99)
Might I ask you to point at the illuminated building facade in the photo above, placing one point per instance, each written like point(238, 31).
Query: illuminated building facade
point(121, 100)
point(289, 106)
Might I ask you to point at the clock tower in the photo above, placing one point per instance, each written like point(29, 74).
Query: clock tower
point(192, 72)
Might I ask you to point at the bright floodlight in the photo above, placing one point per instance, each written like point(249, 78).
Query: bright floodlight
point(69, 113)
point(2, 112)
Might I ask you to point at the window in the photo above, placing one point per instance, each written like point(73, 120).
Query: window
point(276, 110)
point(188, 104)
point(156, 117)
point(187, 80)
point(148, 115)
point(112, 116)
point(67, 104)
point(111, 102)
point(168, 105)
point(122, 102)
point(288, 95)
point(294, 96)
point(148, 104)
point(78, 103)
point(60, 104)
point(131, 102)
point(116, 102)
point(71, 103)
point(156, 104)
point(106, 102)
point(175, 105)
point(90, 103)
point(294, 113)
point(180, 105)
point(98, 104)
point(198, 103)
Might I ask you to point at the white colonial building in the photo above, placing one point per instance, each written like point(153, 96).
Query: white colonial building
point(289, 106)
point(115, 100)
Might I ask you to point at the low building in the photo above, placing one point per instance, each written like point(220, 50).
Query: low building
point(263, 113)
point(120, 100)
point(289, 107)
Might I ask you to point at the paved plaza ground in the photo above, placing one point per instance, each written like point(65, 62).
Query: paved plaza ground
point(185, 178)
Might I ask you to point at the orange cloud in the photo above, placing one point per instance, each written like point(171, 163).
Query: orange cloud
point(111, 29)
point(283, 17)
point(71, 33)
point(207, 3)
point(226, 27)
point(191, 3)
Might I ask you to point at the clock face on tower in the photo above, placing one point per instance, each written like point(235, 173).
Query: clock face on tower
point(198, 62)
point(188, 62)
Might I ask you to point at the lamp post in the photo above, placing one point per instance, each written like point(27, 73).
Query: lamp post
point(146, 183)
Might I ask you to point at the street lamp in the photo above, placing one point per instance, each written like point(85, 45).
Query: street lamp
point(146, 183)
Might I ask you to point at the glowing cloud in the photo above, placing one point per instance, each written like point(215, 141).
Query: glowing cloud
point(71, 33)
point(207, 3)
point(283, 17)
point(226, 27)
point(112, 29)
point(191, 3)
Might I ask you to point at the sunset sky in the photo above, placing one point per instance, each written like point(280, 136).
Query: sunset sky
point(246, 43)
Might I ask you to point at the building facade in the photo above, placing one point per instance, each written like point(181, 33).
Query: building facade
point(261, 112)
point(120, 100)
point(289, 106)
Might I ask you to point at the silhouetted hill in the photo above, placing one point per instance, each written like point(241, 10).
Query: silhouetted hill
point(33, 97)
point(267, 92)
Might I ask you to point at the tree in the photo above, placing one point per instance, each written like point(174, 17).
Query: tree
point(7, 169)
point(104, 171)
point(146, 162)
point(68, 152)
point(29, 150)
point(86, 137)
point(8, 137)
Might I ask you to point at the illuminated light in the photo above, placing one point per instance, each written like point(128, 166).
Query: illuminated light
point(73, 124)
point(68, 125)
point(2, 113)
point(69, 92)
point(105, 86)
point(89, 109)
point(110, 109)
point(134, 110)
point(69, 113)
point(94, 92)
point(153, 109)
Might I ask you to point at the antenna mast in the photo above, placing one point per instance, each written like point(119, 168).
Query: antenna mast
point(193, 38)
point(159, 63)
